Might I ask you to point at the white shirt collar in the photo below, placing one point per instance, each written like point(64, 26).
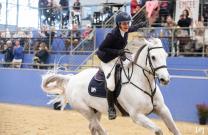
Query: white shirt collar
point(122, 33)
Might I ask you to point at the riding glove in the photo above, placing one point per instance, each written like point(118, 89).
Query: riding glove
point(144, 24)
point(120, 52)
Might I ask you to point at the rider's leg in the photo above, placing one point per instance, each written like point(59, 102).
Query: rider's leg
point(165, 114)
point(145, 122)
point(107, 67)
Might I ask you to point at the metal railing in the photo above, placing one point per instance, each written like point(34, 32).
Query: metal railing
point(61, 17)
point(55, 40)
point(178, 41)
point(140, 16)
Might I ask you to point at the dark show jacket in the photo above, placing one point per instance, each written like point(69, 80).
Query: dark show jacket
point(113, 42)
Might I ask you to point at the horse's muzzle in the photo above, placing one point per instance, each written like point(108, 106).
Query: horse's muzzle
point(164, 82)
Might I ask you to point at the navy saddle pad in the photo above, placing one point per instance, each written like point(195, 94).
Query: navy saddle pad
point(97, 86)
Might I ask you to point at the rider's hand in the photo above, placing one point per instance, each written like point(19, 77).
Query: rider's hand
point(144, 24)
point(120, 52)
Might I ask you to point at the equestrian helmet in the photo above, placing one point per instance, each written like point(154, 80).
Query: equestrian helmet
point(123, 17)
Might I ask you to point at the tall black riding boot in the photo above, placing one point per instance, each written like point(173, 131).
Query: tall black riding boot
point(111, 109)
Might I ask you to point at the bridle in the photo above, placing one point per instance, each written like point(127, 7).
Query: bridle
point(152, 72)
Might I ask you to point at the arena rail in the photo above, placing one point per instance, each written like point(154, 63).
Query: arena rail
point(177, 41)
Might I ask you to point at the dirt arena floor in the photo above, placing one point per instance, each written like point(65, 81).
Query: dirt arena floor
point(29, 120)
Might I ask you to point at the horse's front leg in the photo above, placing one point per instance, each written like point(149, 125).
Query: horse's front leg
point(145, 122)
point(165, 114)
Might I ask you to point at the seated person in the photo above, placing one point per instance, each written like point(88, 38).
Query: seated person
point(170, 24)
point(5, 34)
point(198, 36)
point(64, 4)
point(42, 37)
point(27, 40)
point(52, 33)
point(76, 5)
point(85, 38)
point(18, 54)
point(19, 33)
point(8, 56)
point(42, 54)
point(75, 34)
point(42, 6)
point(57, 11)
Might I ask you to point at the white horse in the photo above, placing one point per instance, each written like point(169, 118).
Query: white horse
point(74, 90)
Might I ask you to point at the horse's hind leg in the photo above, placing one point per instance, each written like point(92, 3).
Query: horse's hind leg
point(145, 122)
point(92, 129)
point(165, 114)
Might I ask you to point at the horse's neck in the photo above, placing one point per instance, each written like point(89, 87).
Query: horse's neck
point(138, 77)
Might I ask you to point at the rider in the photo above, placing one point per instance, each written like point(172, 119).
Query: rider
point(109, 50)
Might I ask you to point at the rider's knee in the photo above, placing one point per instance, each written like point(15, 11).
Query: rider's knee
point(111, 87)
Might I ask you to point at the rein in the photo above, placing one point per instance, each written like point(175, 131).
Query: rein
point(152, 72)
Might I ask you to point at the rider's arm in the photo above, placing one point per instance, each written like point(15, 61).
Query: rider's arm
point(105, 45)
point(135, 27)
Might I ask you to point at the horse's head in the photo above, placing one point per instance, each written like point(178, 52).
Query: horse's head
point(156, 60)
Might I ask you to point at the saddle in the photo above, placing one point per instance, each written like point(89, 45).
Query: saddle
point(97, 86)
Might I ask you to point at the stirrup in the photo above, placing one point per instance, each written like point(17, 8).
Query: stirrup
point(111, 113)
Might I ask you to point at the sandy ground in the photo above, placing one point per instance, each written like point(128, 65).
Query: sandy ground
point(29, 120)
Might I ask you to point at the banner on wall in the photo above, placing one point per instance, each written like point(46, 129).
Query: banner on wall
point(181, 5)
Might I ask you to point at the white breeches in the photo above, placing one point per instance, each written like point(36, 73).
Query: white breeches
point(107, 67)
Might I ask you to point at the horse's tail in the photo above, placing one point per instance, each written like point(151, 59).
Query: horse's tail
point(56, 84)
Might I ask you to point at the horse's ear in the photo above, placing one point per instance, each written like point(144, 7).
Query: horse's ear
point(149, 44)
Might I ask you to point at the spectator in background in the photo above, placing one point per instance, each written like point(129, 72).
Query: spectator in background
point(199, 35)
point(19, 33)
point(85, 37)
point(18, 54)
point(133, 7)
point(5, 34)
point(75, 37)
point(184, 20)
point(76, 5)
point(52, 33)
point(89, 18)
point(42, 54)
point(43, 4)
point(57, 12)
point(42, 37)
point(65, 5)
point(170, 24)
point(143, 2)
point(8, 56)
point(140, 17)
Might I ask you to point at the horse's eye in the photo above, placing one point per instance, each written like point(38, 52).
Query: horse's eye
point(153, 57)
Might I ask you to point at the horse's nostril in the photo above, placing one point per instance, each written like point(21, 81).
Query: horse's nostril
point(162, 80)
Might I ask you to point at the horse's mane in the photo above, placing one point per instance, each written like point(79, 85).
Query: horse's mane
point(138, 46)
point(138, 53)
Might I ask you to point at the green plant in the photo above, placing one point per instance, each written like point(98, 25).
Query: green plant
point(36, 59)
point(152, 30)
point(202, 110)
